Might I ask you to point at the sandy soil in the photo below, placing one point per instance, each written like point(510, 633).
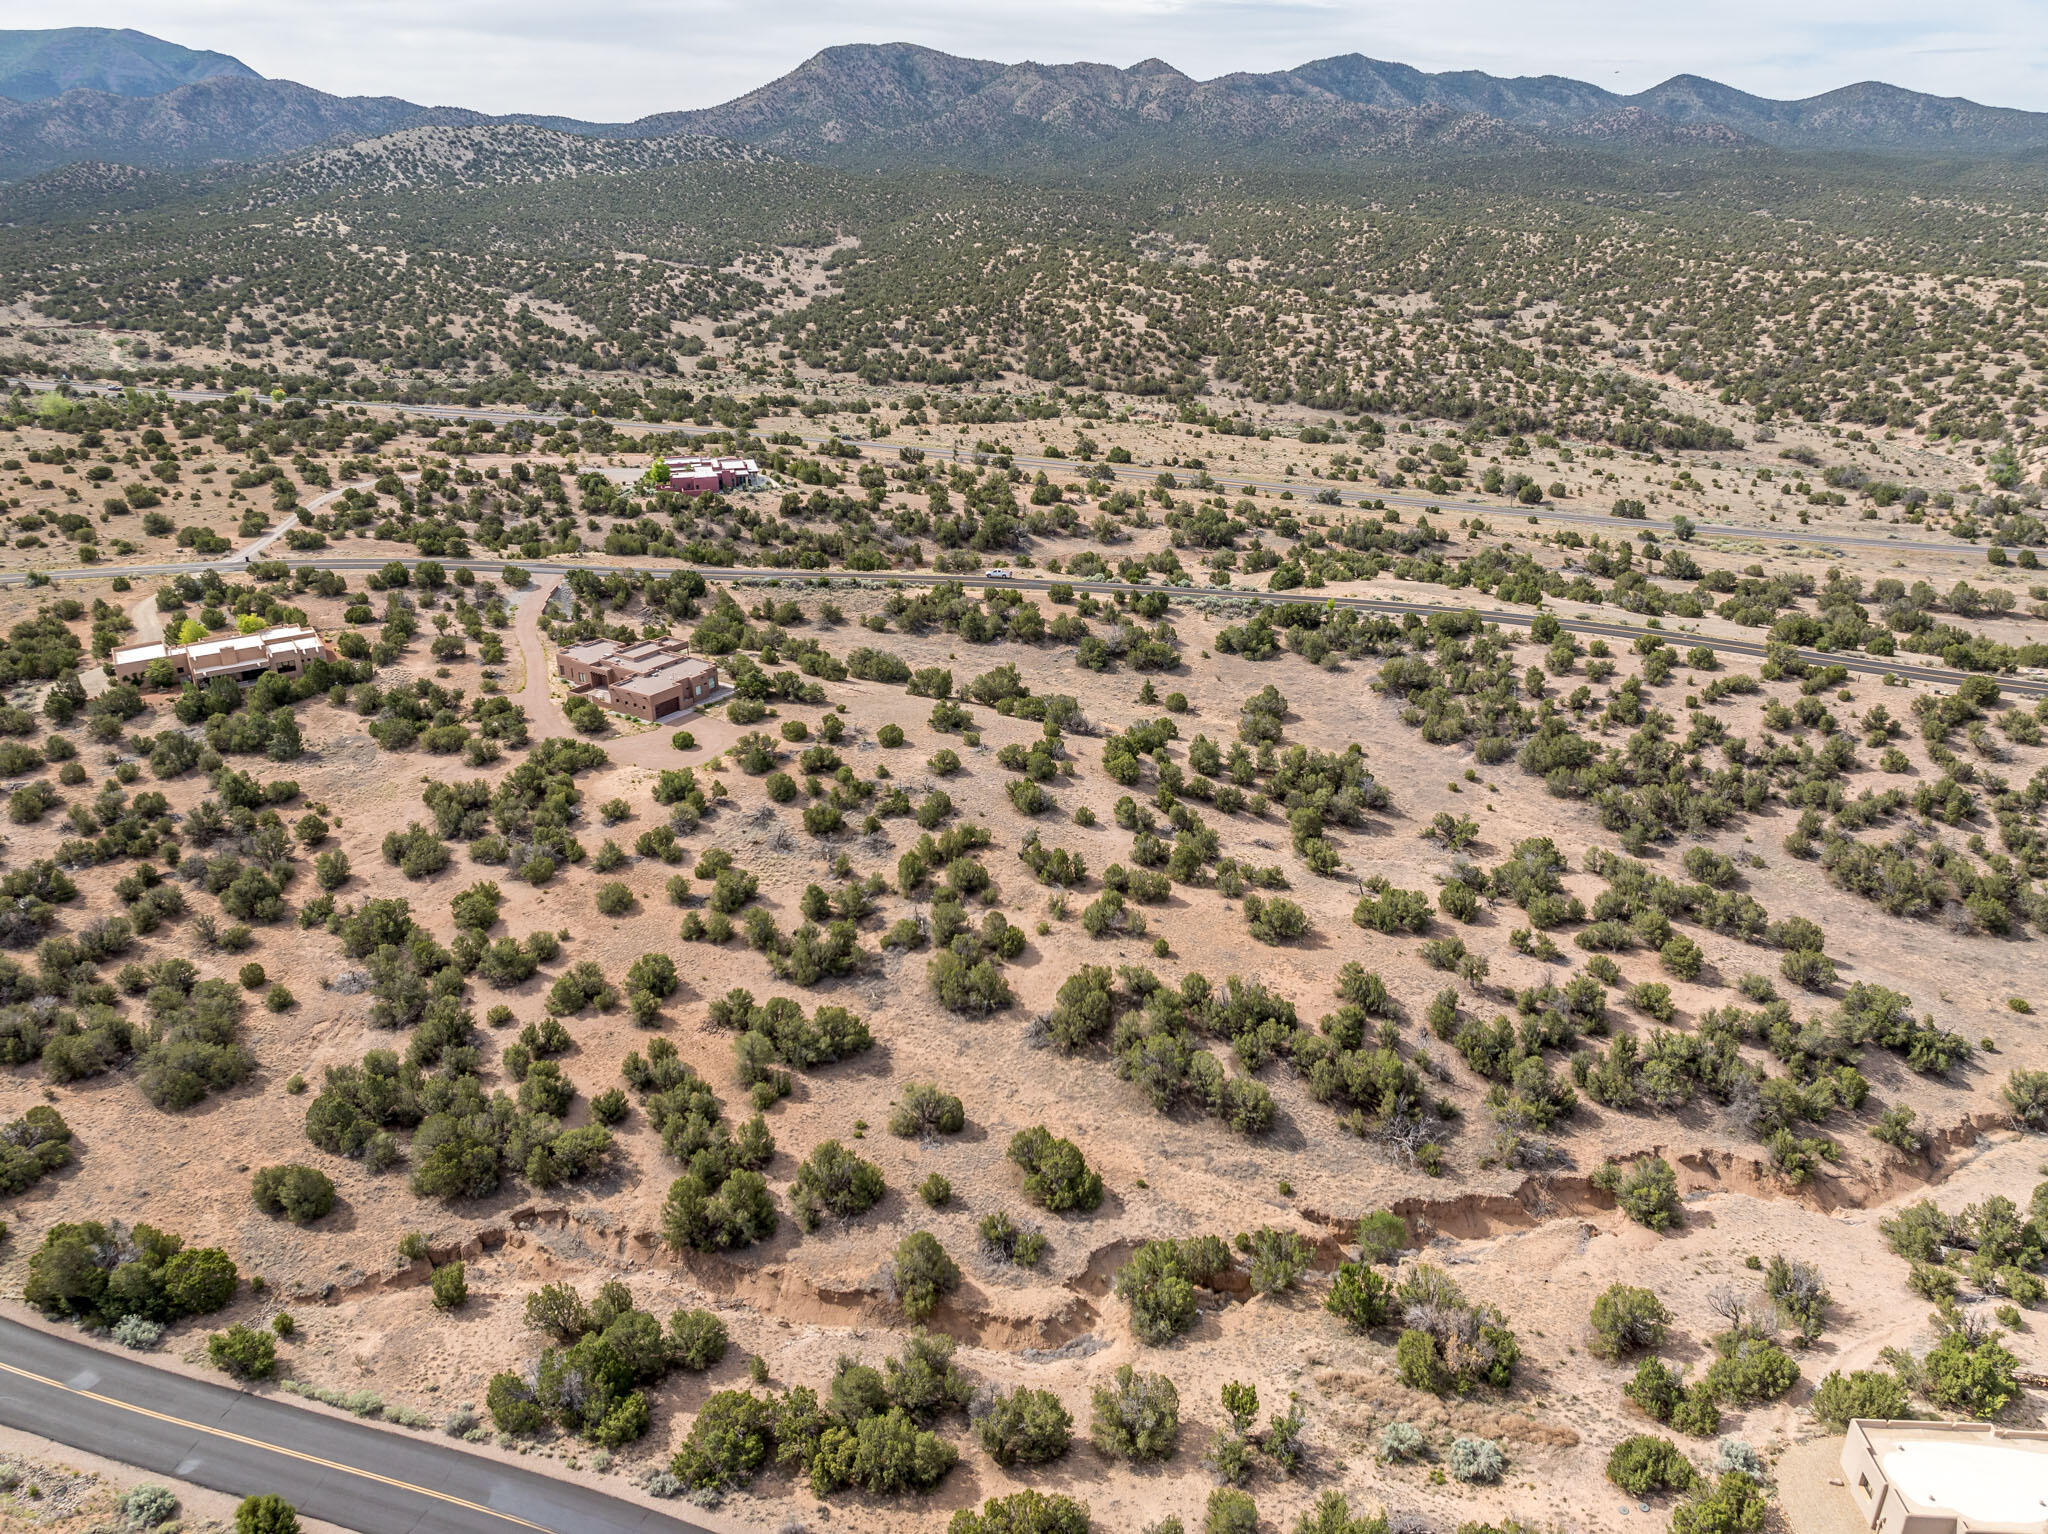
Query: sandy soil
point(1539, 1246)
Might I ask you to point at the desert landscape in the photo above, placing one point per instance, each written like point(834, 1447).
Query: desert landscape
point(1365, 858)
point(1528, 1119)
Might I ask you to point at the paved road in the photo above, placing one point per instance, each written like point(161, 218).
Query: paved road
point(1939, 676)
point(1749, 649)
point(370, 1479)
point(1811, 536)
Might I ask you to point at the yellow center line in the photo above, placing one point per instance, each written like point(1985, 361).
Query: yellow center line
point(257, 1443)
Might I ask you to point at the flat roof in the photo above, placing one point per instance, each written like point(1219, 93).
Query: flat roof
point(633, 654)
point(287, 636)
point(1989, 1476)
point(675, 674)
point(1985, 1482)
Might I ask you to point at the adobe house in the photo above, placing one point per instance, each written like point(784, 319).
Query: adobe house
point(1947, 1477)
point(652, 680)
point(287, 649)
point(697, 476)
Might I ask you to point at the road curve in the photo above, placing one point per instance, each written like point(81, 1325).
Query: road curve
point(370, 1479)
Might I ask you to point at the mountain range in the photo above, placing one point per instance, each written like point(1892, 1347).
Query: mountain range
point(123, 97)
point(39, 64)
point(862, 97)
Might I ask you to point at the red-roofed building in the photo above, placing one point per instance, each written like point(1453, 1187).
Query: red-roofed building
point(700, 476)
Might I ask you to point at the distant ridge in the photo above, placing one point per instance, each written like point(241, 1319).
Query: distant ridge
point(37, 65)
point(898, 102)
point(889, 97)
point(229, 118)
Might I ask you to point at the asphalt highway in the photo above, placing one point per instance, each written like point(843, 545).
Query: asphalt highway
point(1809, 536)
point(374, 1480)
point(1940, 676)
point(1751, 649)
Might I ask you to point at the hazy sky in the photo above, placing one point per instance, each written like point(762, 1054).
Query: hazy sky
point(617, 59)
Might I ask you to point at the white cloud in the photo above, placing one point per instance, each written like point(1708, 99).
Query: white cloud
point(627, 58)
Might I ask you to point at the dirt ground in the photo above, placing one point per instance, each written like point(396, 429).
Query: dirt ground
point(1540, 1246)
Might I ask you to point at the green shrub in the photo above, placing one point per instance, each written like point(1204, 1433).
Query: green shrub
point(34, 1145)
point(1231, 1512)
point(164, 1280)
point(882, 1452)
point(1024, 1512)
point(923, 1274)
point(1231, 1457)
point(1332, 1515)
point(1627, 1320)
point(1874, 1393)
point(1276, 920)
point(1024, 1427)
point(834, 1179)
point(1750, 1369)
point(696, 1339)
point(1382, 1237)
point(1918, 1232)
point(1808, 969)
point(2026, 1093)
point(1136, 1416)
point(300, 1193)
point(1278, 1258)
point(1646, 1190)
point(1697, 1412)
point(243, 1351)
point(510, 1401)
point(923, 1110)
point(1655, 1389)
point(1974, 1375)
point(1363, 1298)
point(1459, 901)
point(706, 1215)
point(1735, 1505)
point(1419, 1361)
point(1644, 1464)
point(1158, 1286)
point(923, 1380)
point(450, 1286)
point(936, 1190)
point(1056, 1177)
point(266, 1514)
